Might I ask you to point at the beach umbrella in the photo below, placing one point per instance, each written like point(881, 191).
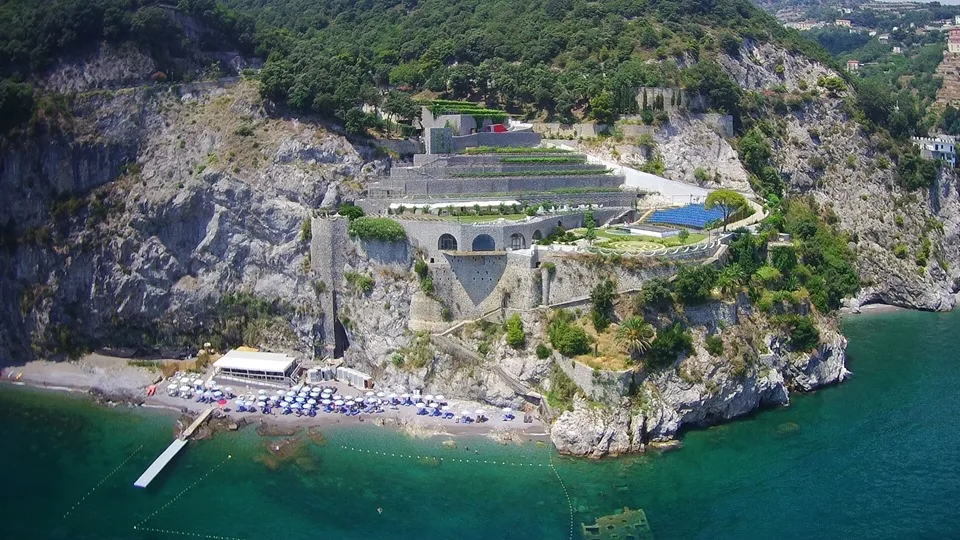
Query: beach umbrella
point(381, 395)
point(338, 396)
point(262, 392)
point(185, 380)
point(262, 398)
point(311, 401)
point(428, 397)
point(307, 406)
point(217, 393)
point(507, 409)
point(420, 405)
point(210, 383)
point(228, 390)
point(392, 395)
point(184, 388)
point(326, 401)
point(249, 404)
point(338, 402)
point(369, 394)
point(238, 402)
point(445, 408)
point(439, 397)
point(222, 402)
point(294, 405)
point(348, 398)
point(172, 386)
point(300, 399)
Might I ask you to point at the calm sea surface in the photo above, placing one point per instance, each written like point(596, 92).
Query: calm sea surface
point(876, 457)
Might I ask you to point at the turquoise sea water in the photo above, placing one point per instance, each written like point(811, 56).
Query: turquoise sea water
point(875, 457)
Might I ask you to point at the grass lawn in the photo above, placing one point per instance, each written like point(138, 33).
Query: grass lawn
point(484, 219)
point(636, 243)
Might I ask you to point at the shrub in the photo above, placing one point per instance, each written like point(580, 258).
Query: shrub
point(602, 298)
point(360, 282)
point(543, 352)
point(668, 344)
point(684, 235)
point(769, 275)
point(306, 230)
point(562, 389)
point(420, 267)
point(382, 229)
point(915, 172)
point(694, 283)
point(350, 211)
point(714, 345)
point(245, 130)
point(900, 250)
point(655, 293)
point(566, 337)
point(804, 334)
point(701, 175)
point(516, 338)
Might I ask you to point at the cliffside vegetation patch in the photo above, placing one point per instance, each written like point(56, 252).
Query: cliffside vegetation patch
point(374, 228)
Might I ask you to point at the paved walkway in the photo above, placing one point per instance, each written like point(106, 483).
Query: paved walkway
point(677, 192)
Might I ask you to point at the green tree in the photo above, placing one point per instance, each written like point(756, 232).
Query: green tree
point(635, 335)
point(516, 337)
point(602, 299)
point(731, 278)
point(601, 108)
point(16, 104)
point(729, 201)
point(694, 283)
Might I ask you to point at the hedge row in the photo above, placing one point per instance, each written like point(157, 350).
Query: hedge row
point(544, 159)
point(514, 150)
point(373, 228)
point(545, 172)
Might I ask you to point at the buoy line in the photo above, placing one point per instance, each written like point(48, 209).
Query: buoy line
point(566, 493)
point(182, 492)
point(187, 533)
point(100, 483)
point(441, 458)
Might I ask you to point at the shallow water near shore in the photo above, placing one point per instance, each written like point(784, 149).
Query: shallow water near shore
point(872, 458)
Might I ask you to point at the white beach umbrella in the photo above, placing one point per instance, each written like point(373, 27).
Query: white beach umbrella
point(428, 397)
point(325, 401)
point(311, 401)
point(338, 402)
point(281, 393)
point(507, 409)
point(421, 405)
point(348, 398)
point(262, 392)
point(228, 389)
point(392, 396)
point(439, 397)
point(381, 395)
point(185, 380)
point(445, 408)
point(184, 388)
point(210, 383)
point(405, 396)
point(172, 386)
point(369, 394)
point(261, 398)
point(300, 399)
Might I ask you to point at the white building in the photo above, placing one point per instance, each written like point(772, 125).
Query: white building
point(943, 148)
point(269, 369)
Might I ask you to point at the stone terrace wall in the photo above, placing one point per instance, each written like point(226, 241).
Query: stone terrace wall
point(598, 385)
point(427, 184)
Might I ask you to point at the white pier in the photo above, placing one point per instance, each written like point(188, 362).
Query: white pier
point(171, 451)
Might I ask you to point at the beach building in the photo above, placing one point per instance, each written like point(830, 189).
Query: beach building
point(355, 378)
point(274, 369)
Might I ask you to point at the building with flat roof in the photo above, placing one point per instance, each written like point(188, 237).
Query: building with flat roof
point(274, 369)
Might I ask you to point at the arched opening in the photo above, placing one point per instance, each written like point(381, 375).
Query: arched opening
point(517, 241)
point(484, 242)
point(537, 235)
point(447, 243)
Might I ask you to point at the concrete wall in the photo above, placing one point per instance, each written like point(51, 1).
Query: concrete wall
point(445, 140)
point(428, 186)
point(404, 147)
point(563, 131)
point(426, 234)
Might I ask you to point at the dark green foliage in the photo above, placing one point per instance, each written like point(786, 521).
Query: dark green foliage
point(714, 345)
point(245, 319)
point(16, 105)
point(592, 170)
point(709, 79)
point(602, 299)
point(382, 229)
point(746, 251)
point(784, 258)
point(804, 334)
point(655, 293)
point(695, 282)
point(668, 345)
point(420, 267)
point(915, 172)
point(566, 336)
point(543, 352)
point(730, 43)
point(756, 152)
point(516, 337)
point(351, 211)
point(361, 282)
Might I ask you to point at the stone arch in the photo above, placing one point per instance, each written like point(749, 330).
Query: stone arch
point(537, 235)
point(447, 242)
point(517, 241)
point(484, 242)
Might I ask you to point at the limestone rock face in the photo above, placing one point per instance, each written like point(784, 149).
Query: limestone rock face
point(592, 431)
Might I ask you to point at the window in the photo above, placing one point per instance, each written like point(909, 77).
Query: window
point(517, 241)
point(447, 243)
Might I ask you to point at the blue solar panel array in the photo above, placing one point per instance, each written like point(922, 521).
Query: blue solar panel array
point(693, 215)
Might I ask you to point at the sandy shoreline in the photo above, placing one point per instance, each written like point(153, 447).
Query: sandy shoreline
point(872, 309)
point(117, 381)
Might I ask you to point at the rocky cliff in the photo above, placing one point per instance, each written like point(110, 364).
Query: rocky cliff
point(758, 369)
point(136, 217)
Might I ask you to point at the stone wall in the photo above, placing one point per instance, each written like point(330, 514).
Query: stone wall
point(328, 247)
point(428, 185)
point(599, 385)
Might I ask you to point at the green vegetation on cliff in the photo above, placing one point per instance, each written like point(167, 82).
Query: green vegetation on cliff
point(374, 228)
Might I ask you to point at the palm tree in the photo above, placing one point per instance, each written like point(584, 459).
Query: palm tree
point(635, 335)
point(731, 278)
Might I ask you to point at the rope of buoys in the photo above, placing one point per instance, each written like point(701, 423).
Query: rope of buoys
point(566, 493)
point(102, 480)
point(186, 533)
point(182, 492)
point(441, 458)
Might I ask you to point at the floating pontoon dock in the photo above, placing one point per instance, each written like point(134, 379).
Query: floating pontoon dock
point(171, 451)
